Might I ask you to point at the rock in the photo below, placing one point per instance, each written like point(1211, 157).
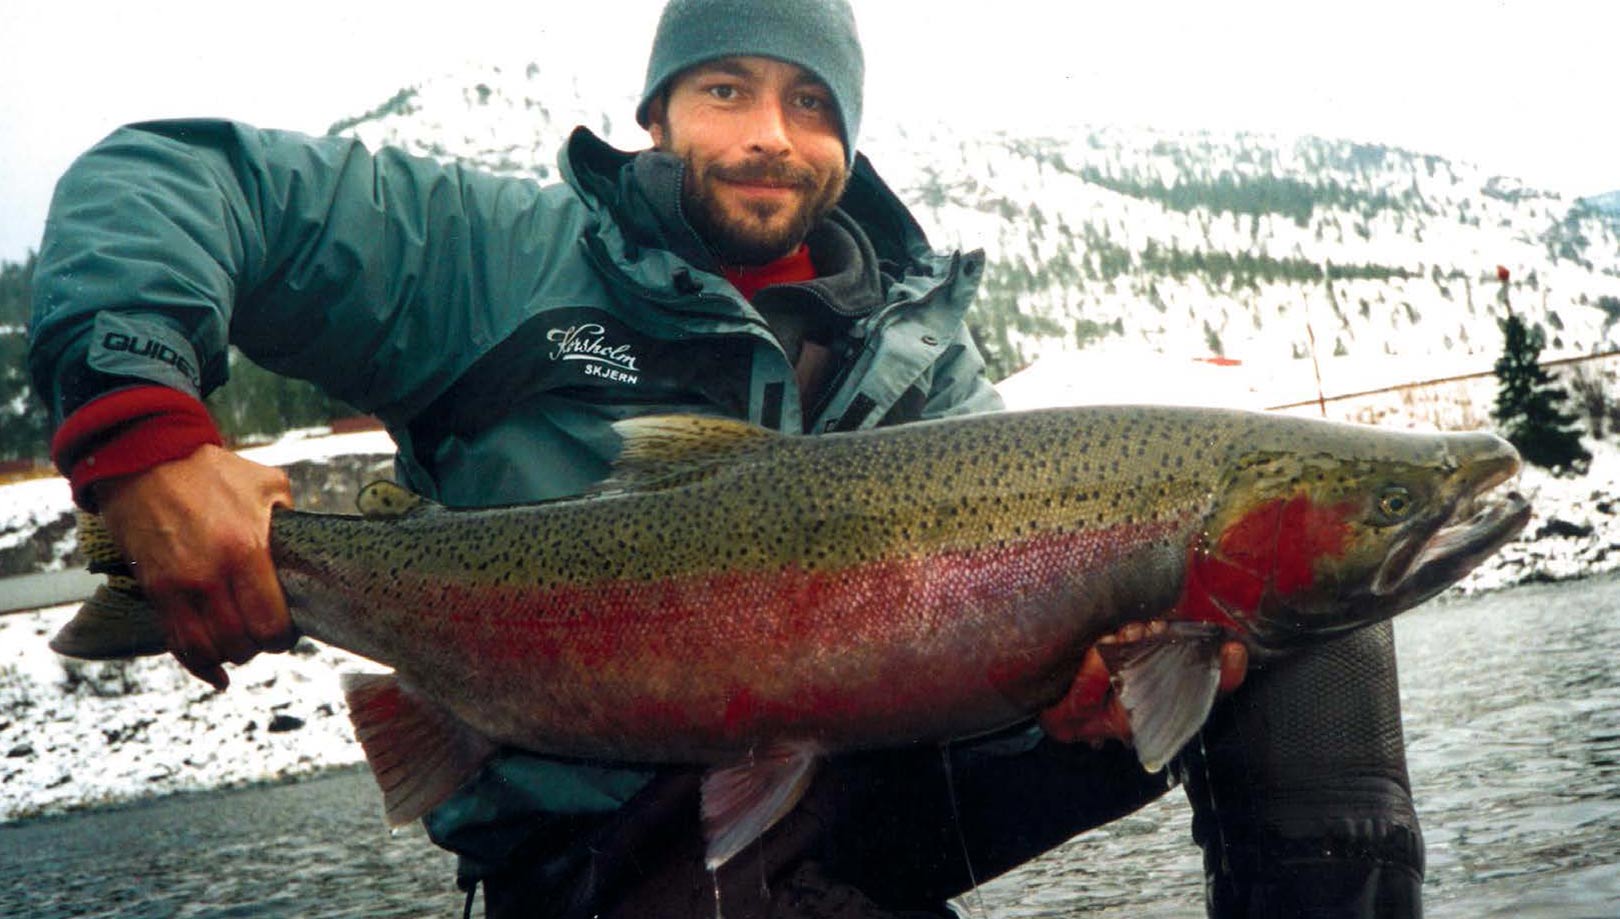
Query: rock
point(20, 750)
point(119, 734)
point(283, 723)
point(39, 549)
point(1559, 527)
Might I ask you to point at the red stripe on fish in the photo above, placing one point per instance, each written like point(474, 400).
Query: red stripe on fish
point(717, 635)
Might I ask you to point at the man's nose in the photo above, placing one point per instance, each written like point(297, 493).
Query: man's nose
point(768, 128)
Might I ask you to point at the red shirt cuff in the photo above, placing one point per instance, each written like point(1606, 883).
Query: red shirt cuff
point(129, 431)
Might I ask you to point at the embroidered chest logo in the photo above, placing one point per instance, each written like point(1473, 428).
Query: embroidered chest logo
point(588, 343)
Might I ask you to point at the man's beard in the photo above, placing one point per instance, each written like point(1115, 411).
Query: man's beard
point(744, 242)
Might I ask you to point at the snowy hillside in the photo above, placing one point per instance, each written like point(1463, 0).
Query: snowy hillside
point(1181, 243)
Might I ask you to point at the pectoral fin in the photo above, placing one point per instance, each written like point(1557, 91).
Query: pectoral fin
point(741, 802)
point(1167, 683)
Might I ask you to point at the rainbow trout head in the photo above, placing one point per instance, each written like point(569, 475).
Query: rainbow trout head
point(1332, 527)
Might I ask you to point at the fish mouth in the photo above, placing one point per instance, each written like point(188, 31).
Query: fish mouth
point(1480, 521)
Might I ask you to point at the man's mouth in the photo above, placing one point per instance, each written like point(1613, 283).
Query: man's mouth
point(762, 187)
point(766, 178)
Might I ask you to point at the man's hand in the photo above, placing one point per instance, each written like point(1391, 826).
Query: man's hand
point(198, 532)
point(1092, 712)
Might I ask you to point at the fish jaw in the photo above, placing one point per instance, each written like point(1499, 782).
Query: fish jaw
point(1475, 527)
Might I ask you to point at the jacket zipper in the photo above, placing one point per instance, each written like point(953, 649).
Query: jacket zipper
point(878, 320)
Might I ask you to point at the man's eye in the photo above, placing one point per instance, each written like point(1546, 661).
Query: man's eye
point(812, 103)
point(724, 92)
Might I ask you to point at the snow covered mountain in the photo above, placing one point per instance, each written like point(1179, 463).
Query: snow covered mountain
point(1181, 243)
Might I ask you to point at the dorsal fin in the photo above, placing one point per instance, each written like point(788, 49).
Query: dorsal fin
point(662, 450)
point(384, 500)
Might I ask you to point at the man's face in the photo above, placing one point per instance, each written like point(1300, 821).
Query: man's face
point(764, 157)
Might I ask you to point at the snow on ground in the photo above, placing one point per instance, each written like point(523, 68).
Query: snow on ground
point(76, 734)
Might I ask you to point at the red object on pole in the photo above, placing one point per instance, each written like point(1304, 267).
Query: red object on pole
point(1502, 273)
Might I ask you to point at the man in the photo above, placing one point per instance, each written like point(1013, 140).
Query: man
point(751, 264)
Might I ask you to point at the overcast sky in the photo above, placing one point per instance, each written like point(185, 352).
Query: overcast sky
point(1522, 87)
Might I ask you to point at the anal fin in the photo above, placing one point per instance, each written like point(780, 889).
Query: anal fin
point(741, 802)
point(1167, 683)
point(418, 751)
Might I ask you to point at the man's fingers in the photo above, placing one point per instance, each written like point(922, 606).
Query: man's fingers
point(188, 640)
point(1091, 711)
point(1072, 718)
point(1234, 666)
point(224, 623)
point(1091, 684)
point(258, 598)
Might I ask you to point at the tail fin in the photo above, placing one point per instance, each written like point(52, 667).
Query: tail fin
point(116, 621)
point(419, 751)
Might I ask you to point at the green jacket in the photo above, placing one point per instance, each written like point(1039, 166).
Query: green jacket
point(497, 327)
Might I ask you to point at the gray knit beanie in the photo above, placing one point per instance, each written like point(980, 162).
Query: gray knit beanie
point(818, 35)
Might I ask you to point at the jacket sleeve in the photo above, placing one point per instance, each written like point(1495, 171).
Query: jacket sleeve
point(370, 275)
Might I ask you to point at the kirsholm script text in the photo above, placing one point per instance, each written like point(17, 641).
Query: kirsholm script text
point(588, 342)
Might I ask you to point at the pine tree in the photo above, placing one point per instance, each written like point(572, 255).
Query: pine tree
point(1527, 402)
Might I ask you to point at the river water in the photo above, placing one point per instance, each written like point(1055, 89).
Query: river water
point(1512, 704)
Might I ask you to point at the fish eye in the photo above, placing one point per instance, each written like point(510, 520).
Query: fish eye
point(1396, 503)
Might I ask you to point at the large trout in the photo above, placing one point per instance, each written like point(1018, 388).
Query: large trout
point(753, 601)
